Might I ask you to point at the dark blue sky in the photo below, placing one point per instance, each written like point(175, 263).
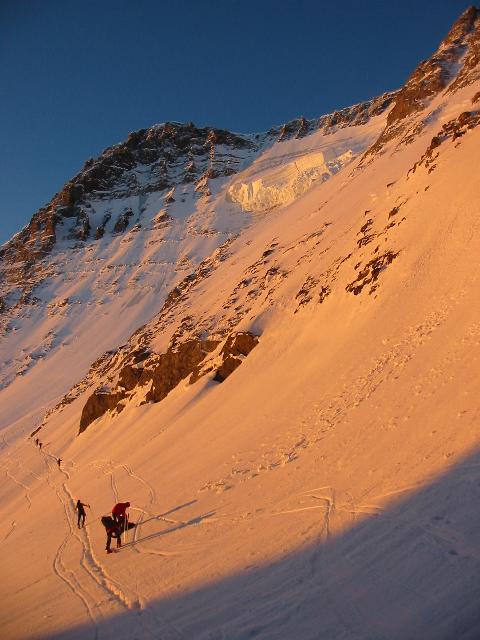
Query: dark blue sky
point(78, 76)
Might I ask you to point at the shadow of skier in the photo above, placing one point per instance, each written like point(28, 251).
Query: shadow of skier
point(180, 525)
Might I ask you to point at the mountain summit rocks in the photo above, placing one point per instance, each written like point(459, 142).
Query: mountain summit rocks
point(287, 394)
point(150, 160)
point(137, 236)
point(455, 63)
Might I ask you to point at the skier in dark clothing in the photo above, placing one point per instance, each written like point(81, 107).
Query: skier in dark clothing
point(80, 507)
point(113, 531)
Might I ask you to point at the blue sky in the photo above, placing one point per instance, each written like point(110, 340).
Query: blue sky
point(78, 76)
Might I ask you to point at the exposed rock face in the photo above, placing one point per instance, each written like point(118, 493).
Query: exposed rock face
point(467, 28)
point(129, 377)
point(173, 366)
point(150, 160)
point(97, 404)
point(432, 76)
point(236, 347)
point(171, 151)
point(369, 274)
point(34, 241)
point(122, 221)
point(452, 130)
point(353, 116)
point(163, 372)
point(100, 230)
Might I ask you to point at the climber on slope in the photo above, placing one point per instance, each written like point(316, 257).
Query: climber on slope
point(113, 531)
point(80, 507)
point(119, 513)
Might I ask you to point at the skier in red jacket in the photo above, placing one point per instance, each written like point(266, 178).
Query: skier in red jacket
point(119, 513)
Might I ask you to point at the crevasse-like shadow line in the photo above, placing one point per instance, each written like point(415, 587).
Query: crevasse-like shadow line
point(167, 513)
point(157, 517)
point(180, 506)
point(180, 525)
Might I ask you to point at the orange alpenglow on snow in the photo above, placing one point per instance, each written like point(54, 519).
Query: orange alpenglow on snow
point(270, 345)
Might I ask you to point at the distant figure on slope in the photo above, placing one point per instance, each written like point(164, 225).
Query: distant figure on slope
point(36, 441)
point(113, 531)
point(119, 513)
point(40, 445)
point(80, 507)
point(59, 462)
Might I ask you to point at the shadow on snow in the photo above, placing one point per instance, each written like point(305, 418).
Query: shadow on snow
point(410, 572)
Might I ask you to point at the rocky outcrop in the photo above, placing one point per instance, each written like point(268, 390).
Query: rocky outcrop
point(172, 152)
point(467, 30)
point(81, 231)
point(97, 405)
point(100, 230)
point(163, 372)
point(370, 273)
point(432, 76)
point(173, 366)
point(452, 130)
point(236, 348)
point(122, 221)
point(356, 115)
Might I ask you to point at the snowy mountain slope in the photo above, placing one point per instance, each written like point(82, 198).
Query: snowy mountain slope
point(135, 245)
point(322, 490)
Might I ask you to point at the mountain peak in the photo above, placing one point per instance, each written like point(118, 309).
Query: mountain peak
point(274, 357)
point(452, 66)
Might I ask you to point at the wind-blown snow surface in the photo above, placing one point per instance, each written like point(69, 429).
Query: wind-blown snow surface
point(326, 489)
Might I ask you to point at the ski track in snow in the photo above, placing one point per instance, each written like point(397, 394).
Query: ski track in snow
point(10, 531)
point(94, 577)
point(150, 621)
point(20, 484)
point(334, 410)
point(109, 468)
point(322, 579)
point(94, 585)
point(324, 513)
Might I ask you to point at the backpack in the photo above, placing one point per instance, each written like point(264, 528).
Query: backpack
point(108, 522)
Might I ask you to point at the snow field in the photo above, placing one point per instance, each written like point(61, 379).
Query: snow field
point(325, 489)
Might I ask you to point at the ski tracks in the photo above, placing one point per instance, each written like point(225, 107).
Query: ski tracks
point(13, 524)
point(110, 468)
point(323, 576)
point(88, 580)
point(145, 618)
point(20, 484)
point(76, 564)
